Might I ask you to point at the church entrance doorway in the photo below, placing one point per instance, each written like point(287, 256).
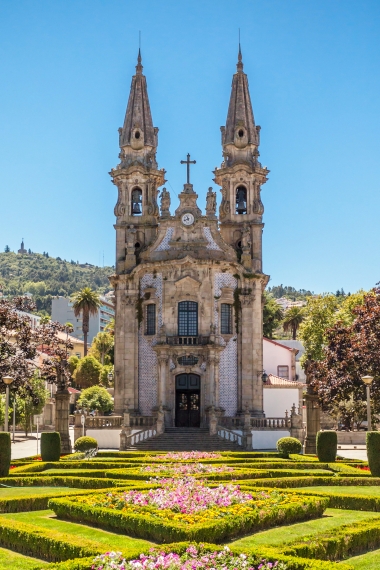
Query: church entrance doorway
point(188, 400)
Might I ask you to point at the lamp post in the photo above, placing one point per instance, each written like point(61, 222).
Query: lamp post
point(368, 381)
point(7, 381)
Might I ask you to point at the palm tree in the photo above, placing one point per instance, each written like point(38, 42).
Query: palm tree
point(86, 302)
point(292, 320)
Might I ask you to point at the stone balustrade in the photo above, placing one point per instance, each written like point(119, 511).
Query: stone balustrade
point(103, 422)
point(270, 423)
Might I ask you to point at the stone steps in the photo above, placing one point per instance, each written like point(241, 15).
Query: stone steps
point(186, 439)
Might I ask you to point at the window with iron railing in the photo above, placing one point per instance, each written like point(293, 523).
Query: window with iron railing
point(187, 318)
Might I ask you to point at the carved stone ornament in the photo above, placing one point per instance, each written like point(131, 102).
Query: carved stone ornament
point(246, 300)
point(246, 240)
point(119, 209)
point(224, 208)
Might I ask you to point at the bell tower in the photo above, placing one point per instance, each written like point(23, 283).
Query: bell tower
point(137, 177)
point(241, 176)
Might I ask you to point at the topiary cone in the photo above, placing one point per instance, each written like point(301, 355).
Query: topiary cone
point(373, 452)
point(5, 453)
point(327, 445)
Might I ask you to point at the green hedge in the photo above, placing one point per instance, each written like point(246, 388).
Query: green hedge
point(223, 476)
point(50, 446)
point(348, 470)
point(147, 525)
point(340, 543)
point(373, 452)
point(63, 481)
point(345, 500)
point(30, 502)
point(85, 443)
point(327, 443)
point(258, 554)
point(289, 482)
point(5, 453)
point(45, 543)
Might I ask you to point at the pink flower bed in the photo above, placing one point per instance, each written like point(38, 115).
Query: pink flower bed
point(185, 469)
point(186, 496)
point(194, 557)
point(188, 455)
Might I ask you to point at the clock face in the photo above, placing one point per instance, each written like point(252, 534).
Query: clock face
point(187, 219)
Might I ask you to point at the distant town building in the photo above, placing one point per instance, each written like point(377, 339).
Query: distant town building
point(35, 320)
point(22, 248)
point(62, 312)
point(287, 303)
point(296, 344)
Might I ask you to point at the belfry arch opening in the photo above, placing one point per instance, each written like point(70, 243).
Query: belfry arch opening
point(241, 199)
point(136, 202)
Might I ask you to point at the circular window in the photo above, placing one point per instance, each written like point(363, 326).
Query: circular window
point(137, 134)
point(241, 133)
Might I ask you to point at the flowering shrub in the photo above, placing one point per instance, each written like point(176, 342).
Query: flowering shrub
point(188, 455)
point(194, 557)
point(185, 469)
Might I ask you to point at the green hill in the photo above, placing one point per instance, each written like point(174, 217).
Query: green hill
point(45, 277)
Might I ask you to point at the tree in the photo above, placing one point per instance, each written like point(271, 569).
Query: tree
point(7, 249)
point(292, 320)
point(102, 346)
point(20, 346)
point(104, 379)
point(86, 302)
point(28, 406)
point(272, 315)
point(87, 373)
point(320, 314)
point(351, 352)
point(96, 398)
point(73, 363)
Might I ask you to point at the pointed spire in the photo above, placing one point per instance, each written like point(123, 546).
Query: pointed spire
point(239, 65)
point(139, 67)
point(240, 126)
point(138, 130)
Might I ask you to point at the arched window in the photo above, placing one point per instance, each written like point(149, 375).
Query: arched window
point(225, 318)
point(187, 318)
point(241, 200)
point(150, 320)
point(136, 202)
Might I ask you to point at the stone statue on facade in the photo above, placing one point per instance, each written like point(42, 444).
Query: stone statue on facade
point(165, 203)
point(210, 203)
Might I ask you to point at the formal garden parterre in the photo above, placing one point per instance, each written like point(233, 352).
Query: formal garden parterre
point(192, 510)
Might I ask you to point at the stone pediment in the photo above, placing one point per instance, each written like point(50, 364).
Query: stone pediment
point(188, 283)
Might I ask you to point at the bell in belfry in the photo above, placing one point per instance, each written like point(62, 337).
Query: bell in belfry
point(241, 200)
point(136, 201)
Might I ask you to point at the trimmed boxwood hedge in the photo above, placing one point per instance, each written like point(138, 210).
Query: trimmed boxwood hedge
point(327, 444)
point(373, 452)
point(339, 543)
point(50, 446)
point(160, 529)
point(5, 453)
point(288, 445)
point(289, 482)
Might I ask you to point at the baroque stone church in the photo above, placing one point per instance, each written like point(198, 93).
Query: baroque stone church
point(189, 286)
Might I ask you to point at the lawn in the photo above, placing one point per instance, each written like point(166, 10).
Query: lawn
point(369, 561)
point(47, 519)
point(344, 490)
point(280, 535)
point(9, 559)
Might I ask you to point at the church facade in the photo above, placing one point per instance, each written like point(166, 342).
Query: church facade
point(189, 285)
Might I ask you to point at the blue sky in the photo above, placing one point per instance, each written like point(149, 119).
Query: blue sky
point(313, 68)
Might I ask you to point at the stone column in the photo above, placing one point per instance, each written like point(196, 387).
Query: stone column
point(216, 380)
point(313, 424)
point(163, 361)
point(62, 404)
point(211, 381)
point(257, 255)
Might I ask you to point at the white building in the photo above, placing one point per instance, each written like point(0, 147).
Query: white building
point(296, 344)
point(62, 312)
